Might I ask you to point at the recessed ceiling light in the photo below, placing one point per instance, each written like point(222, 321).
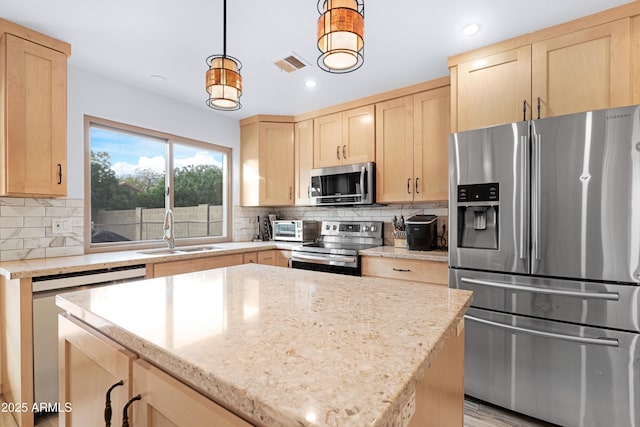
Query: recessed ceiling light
point(311, 83)
point(156, 78)
point(471, 29)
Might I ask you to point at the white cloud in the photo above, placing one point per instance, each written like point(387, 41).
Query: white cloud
point(200, 158)
point(157, 164)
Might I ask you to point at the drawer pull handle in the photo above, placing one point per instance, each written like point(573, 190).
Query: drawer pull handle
point(611, 342)
point(402, 270)
point(125, 411)
point(107, 405)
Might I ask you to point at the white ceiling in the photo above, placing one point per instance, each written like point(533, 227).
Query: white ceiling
point(406, 42)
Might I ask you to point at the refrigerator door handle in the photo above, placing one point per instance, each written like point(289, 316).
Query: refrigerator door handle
point(523, 194)
point(608, 296)
point(536, 199)
point(611, 342)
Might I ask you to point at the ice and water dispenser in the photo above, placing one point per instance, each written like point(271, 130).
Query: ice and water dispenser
point(478, 207)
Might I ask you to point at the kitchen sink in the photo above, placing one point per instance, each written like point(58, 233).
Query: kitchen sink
point(197, 248)
point(183, 250)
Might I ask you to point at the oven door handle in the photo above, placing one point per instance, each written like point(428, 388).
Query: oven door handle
point(611, 342)
point(322, 259)
point(609, 296)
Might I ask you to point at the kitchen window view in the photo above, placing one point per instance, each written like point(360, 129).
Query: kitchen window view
point(136, 175)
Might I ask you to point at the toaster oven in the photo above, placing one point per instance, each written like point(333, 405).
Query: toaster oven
point(296, 230)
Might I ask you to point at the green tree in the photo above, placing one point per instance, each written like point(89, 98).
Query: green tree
point(106, 193)
point(197, 184)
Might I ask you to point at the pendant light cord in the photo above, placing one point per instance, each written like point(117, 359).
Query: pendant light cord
point(224, 28)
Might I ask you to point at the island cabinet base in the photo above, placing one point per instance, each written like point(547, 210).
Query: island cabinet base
point(90, 364)
point(167, 402)
point(440, 394)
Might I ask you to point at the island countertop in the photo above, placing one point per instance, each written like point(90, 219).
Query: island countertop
point(283, 347)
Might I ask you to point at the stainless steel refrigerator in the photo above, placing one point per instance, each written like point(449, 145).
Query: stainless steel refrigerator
point(544, 221)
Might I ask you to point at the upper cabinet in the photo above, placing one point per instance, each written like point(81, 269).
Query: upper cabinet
point(33, 119)
point(578, 66)
point(267, 163)
point(303, 161)
point(412, 135)
point(344, 138)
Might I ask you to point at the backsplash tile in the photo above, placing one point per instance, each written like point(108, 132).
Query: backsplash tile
point(26, 233)
point(245, 225)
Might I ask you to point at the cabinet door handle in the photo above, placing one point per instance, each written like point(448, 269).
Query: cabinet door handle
point(402, 270)
point(417, 178)
point(338, 152)
point(408, 185)
point(538, 108)
point(125, 411)
point(59, 173)
point(344, 151)
point(108, 412)
point(290, 193)
point(524, 110)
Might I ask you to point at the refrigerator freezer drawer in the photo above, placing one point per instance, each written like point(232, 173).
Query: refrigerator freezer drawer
point(591, 303)
point(565, 374)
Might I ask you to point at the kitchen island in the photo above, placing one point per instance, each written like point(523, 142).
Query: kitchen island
point(281, 347)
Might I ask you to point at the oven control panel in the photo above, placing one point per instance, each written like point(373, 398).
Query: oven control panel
point(352, 228)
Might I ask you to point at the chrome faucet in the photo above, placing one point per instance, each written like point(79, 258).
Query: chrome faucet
point(168, 235)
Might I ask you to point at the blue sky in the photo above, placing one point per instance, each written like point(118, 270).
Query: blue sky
point(129, 152)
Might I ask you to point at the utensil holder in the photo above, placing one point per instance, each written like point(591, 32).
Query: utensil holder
point(399, 239)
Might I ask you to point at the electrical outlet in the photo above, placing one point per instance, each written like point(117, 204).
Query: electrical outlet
point(57, 226)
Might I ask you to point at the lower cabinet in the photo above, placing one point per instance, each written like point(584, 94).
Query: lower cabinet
point(170, 268)
point(165, 401)
point(283, 258)
point(276, 257)
point(92, 364)
point(406, 269)
point(89, 365)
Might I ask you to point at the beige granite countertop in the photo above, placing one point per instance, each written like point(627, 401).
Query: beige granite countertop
point(95, 261)
point(283, 347)
point(393, 252)
point(71, 264)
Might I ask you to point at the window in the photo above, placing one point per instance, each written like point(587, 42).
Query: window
point(135, 175)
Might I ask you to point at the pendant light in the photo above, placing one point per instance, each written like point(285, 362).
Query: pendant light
point(223, 80)
point(341, 35)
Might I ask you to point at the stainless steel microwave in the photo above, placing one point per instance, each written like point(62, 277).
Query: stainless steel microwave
point(296, 230)
point(343, 185)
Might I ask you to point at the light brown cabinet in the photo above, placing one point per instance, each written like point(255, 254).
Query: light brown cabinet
point(90, 364)
point(303, 161)
point(266, 162)
point(170, 268)
point(33, 88)
point(406, 269)
point(166, 401)
point(283, 258)
point(344, 138)
point(412, 135)
point(577, 67)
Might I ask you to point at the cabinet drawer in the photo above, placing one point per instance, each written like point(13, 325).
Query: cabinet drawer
point(406, 269)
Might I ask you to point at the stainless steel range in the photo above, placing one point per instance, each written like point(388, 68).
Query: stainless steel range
point(336, 250)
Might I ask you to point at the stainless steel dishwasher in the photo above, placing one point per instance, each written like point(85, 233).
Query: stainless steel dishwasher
point(45, 320)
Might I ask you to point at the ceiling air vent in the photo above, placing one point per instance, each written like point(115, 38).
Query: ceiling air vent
point(290, 62)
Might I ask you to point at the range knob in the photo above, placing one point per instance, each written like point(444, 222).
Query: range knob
point(365, 228)
point(335, 227)
point(327, 227)
point(374, 228)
